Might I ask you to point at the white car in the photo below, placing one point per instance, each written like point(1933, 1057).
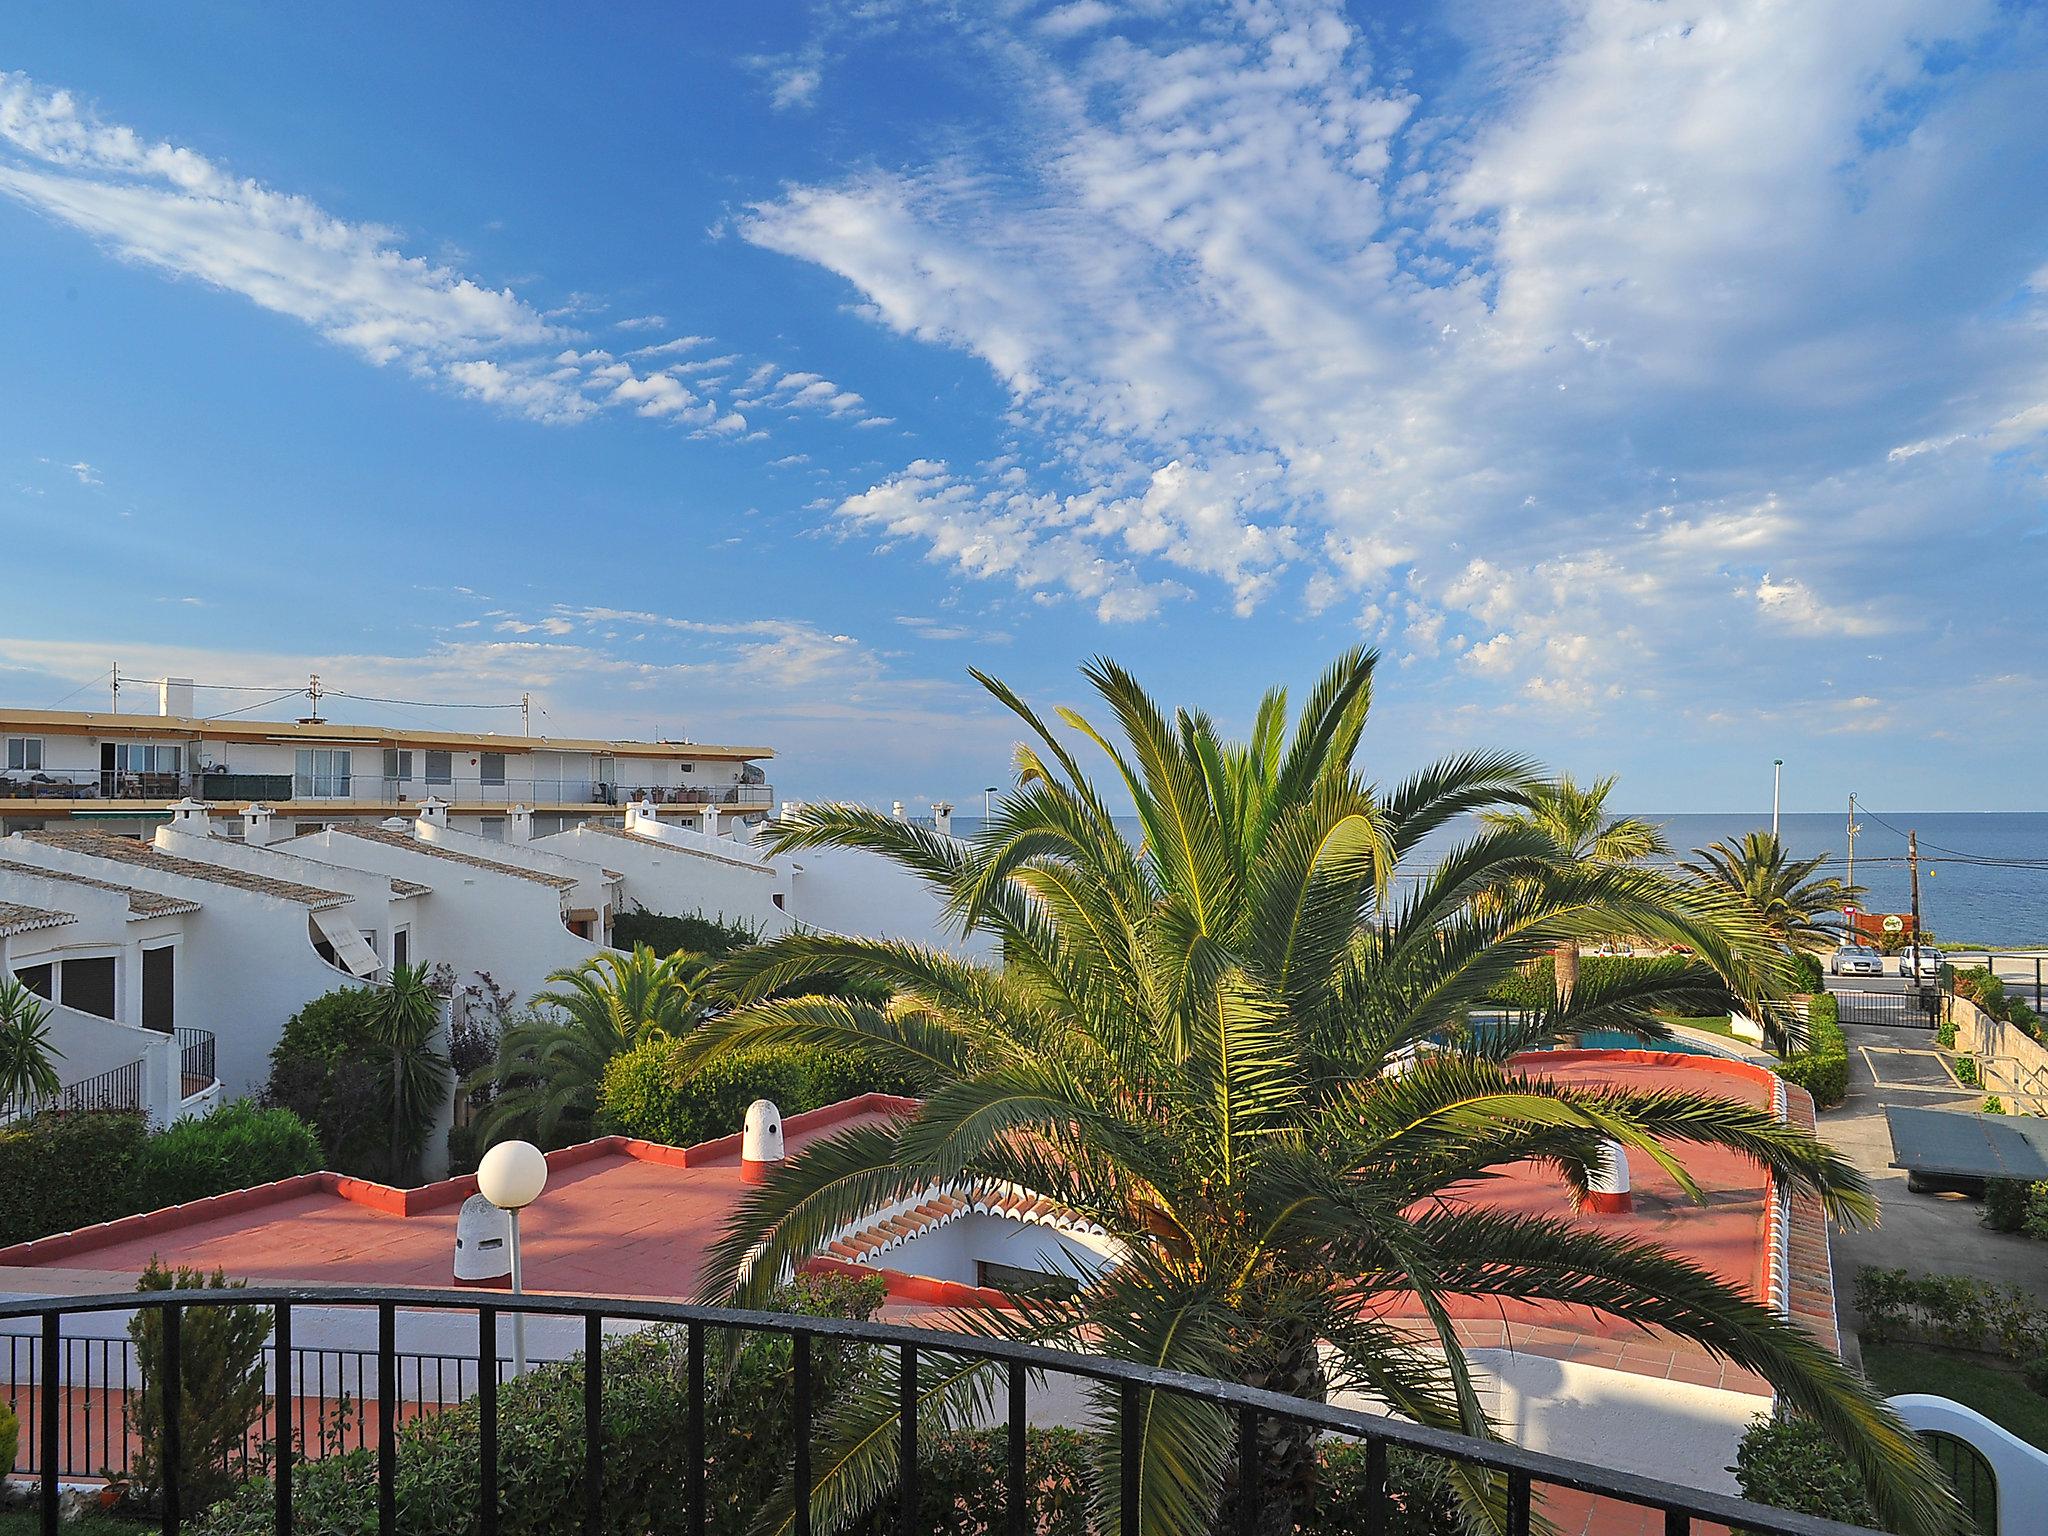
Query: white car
point(1930, 961)
point(1856, 960)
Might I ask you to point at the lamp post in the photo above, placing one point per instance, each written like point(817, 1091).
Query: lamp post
point(984, 804)
point(1777, 774)
point(511, 1176)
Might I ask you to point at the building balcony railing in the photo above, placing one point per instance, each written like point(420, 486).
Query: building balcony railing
point(517, 791)
point(116, 1088)
point(239, 789)
point(196, 1060)
point(59, 1392)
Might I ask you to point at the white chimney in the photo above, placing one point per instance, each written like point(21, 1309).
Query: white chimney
point(190, 817)
point(896, 809)
point(1607, 1190)
point(942, 817)
point(761, 1150)
point(519, 825)
point(643, 817)
point(174, 697)
point(395, 824)
point(434, 811)
point(259, 826)
point(707, 821)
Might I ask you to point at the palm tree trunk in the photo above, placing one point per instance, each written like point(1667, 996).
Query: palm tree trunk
point(1566, 963)
point(1282, 1478)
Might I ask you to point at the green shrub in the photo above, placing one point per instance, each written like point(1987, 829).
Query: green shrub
point(1792, 1464)
point(2036, 1222)
point(220, 1386)
point(695, 934)
point(1945, 1033)
point(465, 1149)
point(238, 1145)
point(321, 1069)
point(63, 1171)
point(1822, 1069)
point(645, 1093)
point(1955, 1310)
point(1534, 986)
point(1806, 969)
point(2005, 1204)
point(10, 1438)
point(1966, 1071)
point(1993, 1104)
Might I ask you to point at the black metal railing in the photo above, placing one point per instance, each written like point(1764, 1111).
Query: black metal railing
point(196, 1053)
point(116, 1088)
point(1524, 1473)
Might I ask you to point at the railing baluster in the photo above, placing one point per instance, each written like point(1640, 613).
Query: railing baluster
point(906, 1439)
point(696, 1429)
point(48, 1425)
point(1247, 1472)
point(487, 1419)
point(281, 1417)
point(1518, 1504)
point(593, 1424)
point(174, 1413)
point(1020, 1492)
point(800, 1369)
point(1130, 1425)
point(387, 1419)
point(1375, 1488)
point(1677, 1523)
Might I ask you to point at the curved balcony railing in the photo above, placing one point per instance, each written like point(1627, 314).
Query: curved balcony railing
point(1522, 1472)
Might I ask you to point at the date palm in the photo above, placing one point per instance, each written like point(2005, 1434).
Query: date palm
point(1576, 820)
point(1215, 1044)
point(1782, 893)
point(545, 1078)
point(402, 1019)
point(28, 1074)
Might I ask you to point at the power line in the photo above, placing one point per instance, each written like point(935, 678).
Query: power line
point(294, 693)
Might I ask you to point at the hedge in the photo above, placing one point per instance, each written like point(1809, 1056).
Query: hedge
point(1988, 992)
point(62, 1171)
point(1534, 986)
point(1956, 1311)
point(695, 934)
point(1822, 1069)
point(2014, 1205)
point(646, 1093)
point(238, 1145)
point(1792, 1464)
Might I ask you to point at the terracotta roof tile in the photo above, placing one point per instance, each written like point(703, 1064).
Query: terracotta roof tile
point(141, 904)
point(392, 838)
point(141, 855)
point(20, 919)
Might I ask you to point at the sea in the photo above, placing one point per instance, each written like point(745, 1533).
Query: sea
point(1964, 903)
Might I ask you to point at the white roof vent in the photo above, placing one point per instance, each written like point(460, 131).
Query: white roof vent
point(483, 1243)
point(761, 1142)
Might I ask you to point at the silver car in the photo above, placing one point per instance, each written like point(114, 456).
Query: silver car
point(1930, 961)
point(1857, 960)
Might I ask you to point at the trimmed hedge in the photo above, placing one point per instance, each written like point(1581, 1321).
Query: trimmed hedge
point(1822, 1069)
point(1534, 986)
point(1956, 1311)
point(1988, 992)
point(238, 1145)
point(62, 1171)
point(1792, 1464)
point(646, 1094)
point(695, 934)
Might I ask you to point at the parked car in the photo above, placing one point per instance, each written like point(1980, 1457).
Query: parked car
point(1930, 961)
point(1856, 960)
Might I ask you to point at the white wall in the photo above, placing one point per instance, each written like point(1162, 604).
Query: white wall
point(376, 908)
point(684, 873)
point(950, 1251)
point(2020, 1469)
point(593, 892)
point(846, 890)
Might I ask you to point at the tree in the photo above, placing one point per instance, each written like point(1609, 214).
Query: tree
point(1781, 893)
point(548, 1069)
point(402, 1019)
point(1217, 1045)
point(220, 1386)
point(1575, 820)
point(28, 1075)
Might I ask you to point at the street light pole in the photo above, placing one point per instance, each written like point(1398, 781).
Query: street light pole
point(1777, 774)
point(511, 1176)
point(518, 1317)
point(984, 804)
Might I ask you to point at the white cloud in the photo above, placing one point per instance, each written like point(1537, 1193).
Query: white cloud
point(86, 474)
point(642, 323)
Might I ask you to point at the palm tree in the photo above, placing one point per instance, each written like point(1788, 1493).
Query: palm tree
point(546, 1075)
point(1576, 821)
point(1207, 1044)
point(402, 1018)
point(1780, 892)
point(27, 1075)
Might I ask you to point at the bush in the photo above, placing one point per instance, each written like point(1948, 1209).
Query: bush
point(696, 934)
point(321, 1070)
point(1822, 1069)
point(2035, 1371)
point(220, 1386)
point(646, 1094)
point(63, 1171)
point(10, 1438)
point(2036, 1222)
point(2005, 1204)
point(1792, 1464)
point(1806, 968)
point(238, 1145)
point(1955, 1310)
point(1534, 986)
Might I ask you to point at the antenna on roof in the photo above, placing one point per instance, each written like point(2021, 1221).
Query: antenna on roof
point(313, 691)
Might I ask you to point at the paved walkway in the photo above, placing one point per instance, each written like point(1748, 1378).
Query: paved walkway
point(1926, 1234)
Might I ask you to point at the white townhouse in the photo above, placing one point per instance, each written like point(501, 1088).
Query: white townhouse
point(124, 771)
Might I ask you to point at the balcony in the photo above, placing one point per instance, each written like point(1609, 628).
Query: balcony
point(65, 1384)
point(512, 791)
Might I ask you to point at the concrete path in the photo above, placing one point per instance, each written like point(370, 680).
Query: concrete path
point(1926, 1234)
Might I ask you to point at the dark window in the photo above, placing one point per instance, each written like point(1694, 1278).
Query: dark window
point(397, 764)
point(1023, 1282)
point(88, 986)
point(401, 947)
point(440, 768)
point(159, 991)
point(491, 768)
point(38, 979)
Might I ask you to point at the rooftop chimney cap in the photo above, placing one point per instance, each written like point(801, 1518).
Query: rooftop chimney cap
point(761, 1142)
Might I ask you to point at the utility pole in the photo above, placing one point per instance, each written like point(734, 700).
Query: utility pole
point(1777, 774)
point(1913, 863)
point(526, 714)
point(313, 691)
point(115, 706)
point(1853, 830)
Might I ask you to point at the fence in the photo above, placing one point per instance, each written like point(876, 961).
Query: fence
point(116, 1088)
point(196, 1059)
point(1518, 1475)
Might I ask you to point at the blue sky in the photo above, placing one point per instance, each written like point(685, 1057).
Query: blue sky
point(1662, 387)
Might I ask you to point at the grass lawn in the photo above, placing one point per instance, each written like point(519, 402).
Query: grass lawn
point(1999, 1394)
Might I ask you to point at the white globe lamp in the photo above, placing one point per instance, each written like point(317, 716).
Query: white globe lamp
point(511, 1176)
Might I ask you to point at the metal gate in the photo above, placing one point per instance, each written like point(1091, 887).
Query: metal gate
point(1908, 1010)
point(1975, 1483)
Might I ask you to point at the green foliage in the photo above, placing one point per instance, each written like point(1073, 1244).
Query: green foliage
point(62, 1171)
point(1993, 1104)
point(713, 938)
point(322, 1069)
point(465, 1149)
point(403, 1020)
point(1791, 1464)
point(2036, 1223)
point(1822, 1069)
point(1807, 973)
point(2035, 1371)
point(1957, 1311)
point(238, 1145)
point(2005, 1204)
point(10, 1438)
point(220, 1386)
point(1945, 1033)
point(749, 1419)
point(1988, 992)
point(1966, 1071)
point(1787, 895)
point(1534, 986)
point(28, 1072)
point(650, 1093)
